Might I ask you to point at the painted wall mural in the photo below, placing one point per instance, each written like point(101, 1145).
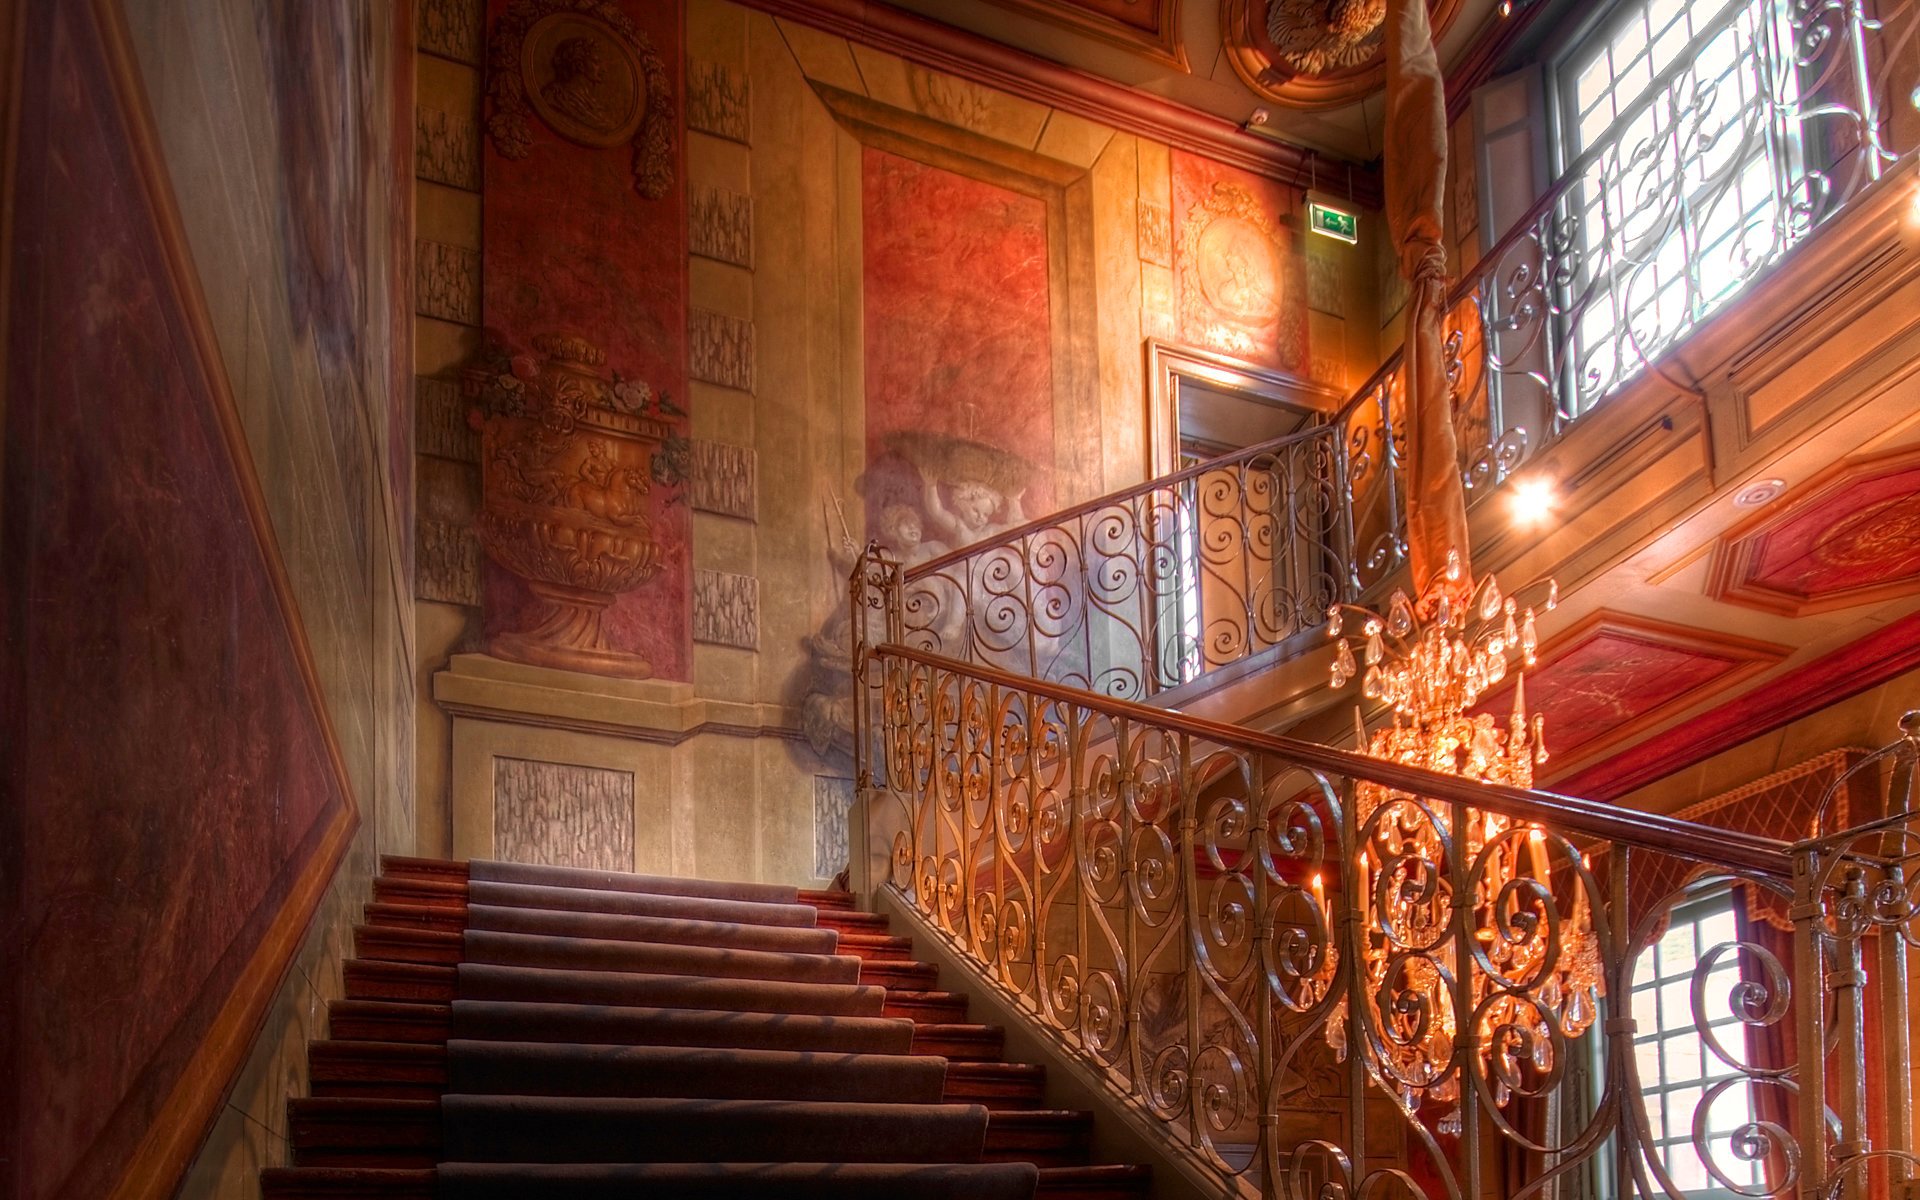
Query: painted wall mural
point(1240, 272)
point(957, 311)
point(585, 227)
point(157, 884)
point(959, 370)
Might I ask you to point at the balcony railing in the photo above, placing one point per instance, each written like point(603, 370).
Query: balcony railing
point(1141, 591)
point(1319, 974)
point(1774, 116)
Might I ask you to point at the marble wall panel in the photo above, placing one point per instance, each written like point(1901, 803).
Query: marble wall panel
point(722, 225)
point(720, 349)
point(562, 815)
point(447, 563)
point(440, 421)
point(452, 29)
point(446, 148)
point(718, 100)
point(726, 609)
point(447, 281)
point(1156, 233)
point(725, 479)
point(832, 801)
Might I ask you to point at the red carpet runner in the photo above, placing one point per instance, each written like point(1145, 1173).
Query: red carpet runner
point(514, 1032)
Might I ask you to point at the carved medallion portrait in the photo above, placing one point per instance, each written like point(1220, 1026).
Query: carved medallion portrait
point(582, 80)
point(588, 74)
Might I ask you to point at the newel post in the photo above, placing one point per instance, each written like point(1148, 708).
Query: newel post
point(1809, 988)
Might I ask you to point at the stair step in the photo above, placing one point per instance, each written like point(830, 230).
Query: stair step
point(377, 1070)
point(1044, 1137)
point(910, 976)
point(998, 1085)
point(962, 1043)
point(345, 1183)
point(388, 1021)
point(420, 890)
point(445, 917)
point(333, 1132)
point(327, 1131)
point(390, 944)
point(826, 899)
point(1107, 1181)
point(877, 947)
point(373, 979)
point(852, 920)
point(445, 870)
point(927, 1007)
point(1118, 1182)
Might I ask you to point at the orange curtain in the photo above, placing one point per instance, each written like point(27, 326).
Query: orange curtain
point(1416, 169)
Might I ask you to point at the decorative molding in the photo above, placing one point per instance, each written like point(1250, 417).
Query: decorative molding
point(1156, 233)
point(832, 801)
point(726, 609)
point(720, 225)
point(1160, 44)
point(719, 100)
point(453, 29)
point(1865, 663)
point(1846, 538)
point(1326, 290)
point(724, 479)
point(446, 148)
point(446, 564)
point(720, 349)
point(446, 281)
point(562, 815)
point(440, 426)
point(1613, 675)
point(970, 56)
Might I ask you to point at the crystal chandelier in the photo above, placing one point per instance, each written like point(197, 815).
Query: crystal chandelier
point(1535, 979)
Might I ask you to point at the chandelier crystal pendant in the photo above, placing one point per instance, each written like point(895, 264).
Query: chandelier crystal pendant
point(1535, 978)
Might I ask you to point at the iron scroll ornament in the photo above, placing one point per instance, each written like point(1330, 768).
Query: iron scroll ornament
point(643, 107)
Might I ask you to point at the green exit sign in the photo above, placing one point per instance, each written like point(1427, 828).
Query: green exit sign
point(1333, 222)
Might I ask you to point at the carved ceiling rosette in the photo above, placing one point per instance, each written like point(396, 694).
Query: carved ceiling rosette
point(568, 458)
point(1314, 53)
point(590, 75)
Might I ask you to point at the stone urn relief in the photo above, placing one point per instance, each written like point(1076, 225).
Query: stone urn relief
point(569, 456)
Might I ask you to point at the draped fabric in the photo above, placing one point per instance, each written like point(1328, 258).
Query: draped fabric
point(1416, 170)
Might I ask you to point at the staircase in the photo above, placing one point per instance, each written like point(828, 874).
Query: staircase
point(514, 1031)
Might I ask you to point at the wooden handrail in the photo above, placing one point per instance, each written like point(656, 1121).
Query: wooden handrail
point(1564, 814)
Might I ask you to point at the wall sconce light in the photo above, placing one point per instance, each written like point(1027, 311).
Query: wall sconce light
point(1532, 501)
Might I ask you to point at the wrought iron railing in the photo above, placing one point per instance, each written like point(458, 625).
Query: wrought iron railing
point(1318, 974)
point(1134, 593)
point(1771, 118)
